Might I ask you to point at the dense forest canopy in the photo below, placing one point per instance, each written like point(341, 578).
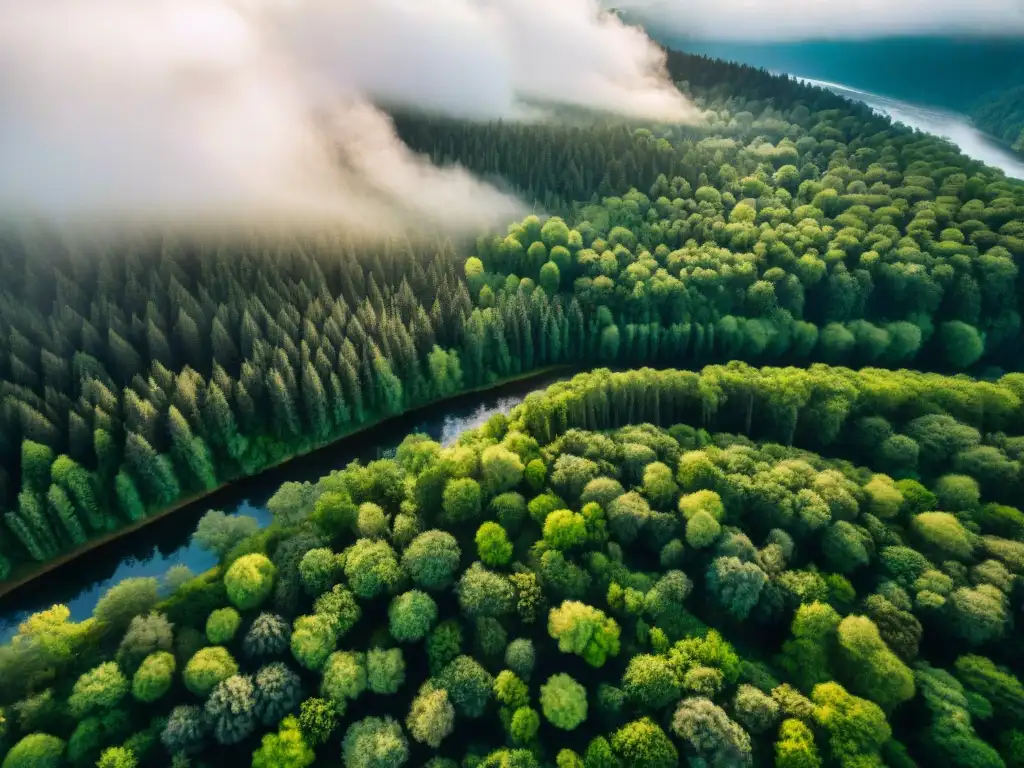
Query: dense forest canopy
point(980, 77)
point(609, 576)
point(815, 562)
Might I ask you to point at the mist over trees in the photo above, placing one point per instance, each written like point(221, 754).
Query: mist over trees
point(805, 550)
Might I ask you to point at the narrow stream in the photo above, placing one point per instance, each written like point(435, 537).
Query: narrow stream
point(152, 550)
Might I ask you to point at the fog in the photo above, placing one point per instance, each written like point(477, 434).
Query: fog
point(192, 112)
point(789, 20)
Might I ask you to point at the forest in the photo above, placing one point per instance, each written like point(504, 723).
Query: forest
point(787, 537)
point(977, 76)
point(580, 584)
point(1002, 115)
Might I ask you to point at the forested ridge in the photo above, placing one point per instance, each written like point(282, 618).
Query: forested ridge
point(609, 576)
point(1002, 115)
point(795, 226)
point(811, 563)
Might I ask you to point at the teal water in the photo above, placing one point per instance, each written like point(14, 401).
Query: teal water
point(151, 551)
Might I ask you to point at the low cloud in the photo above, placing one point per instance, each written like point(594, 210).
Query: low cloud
point(263, 111)
point(755, 20)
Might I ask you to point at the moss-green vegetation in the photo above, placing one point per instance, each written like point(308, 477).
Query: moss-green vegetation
point(807, 564)
point(839, 610)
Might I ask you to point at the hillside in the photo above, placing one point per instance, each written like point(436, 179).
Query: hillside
point(784, 531)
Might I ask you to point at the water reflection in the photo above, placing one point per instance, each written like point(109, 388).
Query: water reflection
point(949, 125)
point(151, 551)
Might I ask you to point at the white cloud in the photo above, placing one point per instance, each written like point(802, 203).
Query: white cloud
point(187, 111)
point(762, 21)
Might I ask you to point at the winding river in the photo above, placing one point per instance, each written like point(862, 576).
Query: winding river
point(152, 550)
point(949, 125)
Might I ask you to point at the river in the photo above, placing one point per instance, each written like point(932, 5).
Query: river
point(152, 550)
point(949, 125)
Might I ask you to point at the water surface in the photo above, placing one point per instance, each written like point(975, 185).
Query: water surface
point(949, 125)
point(152, 550)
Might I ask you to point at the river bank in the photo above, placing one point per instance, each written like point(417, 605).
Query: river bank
point(953, 126)
point(163, 540)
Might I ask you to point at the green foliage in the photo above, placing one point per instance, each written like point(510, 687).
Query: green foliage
point(374, 743)
point(431, 717)
point(483, 593)
point(585, 631)
point(650, 681)
point(524, 724)
point(231, 709)
point(154, 677)
point(795, 747)
point(563, 701)
point(461, 501)
point(371, 568)
point(492, 545)
point(520, 657)
point(344, 678)
point(710, 733)
point(468, 686)
point(432, 559)
point(97, 690)
point(319, 569)
point(249, 581)
point(317, 719)
point(37, 750)
point(871, 668)
point(642, 742)
point(385, 670)
point(856, 728)
point(207, 668)
point(222, 625)
point(565, 530)
point(287, 748)
point(268, 636)
point(411, 615)
point(278, 692)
